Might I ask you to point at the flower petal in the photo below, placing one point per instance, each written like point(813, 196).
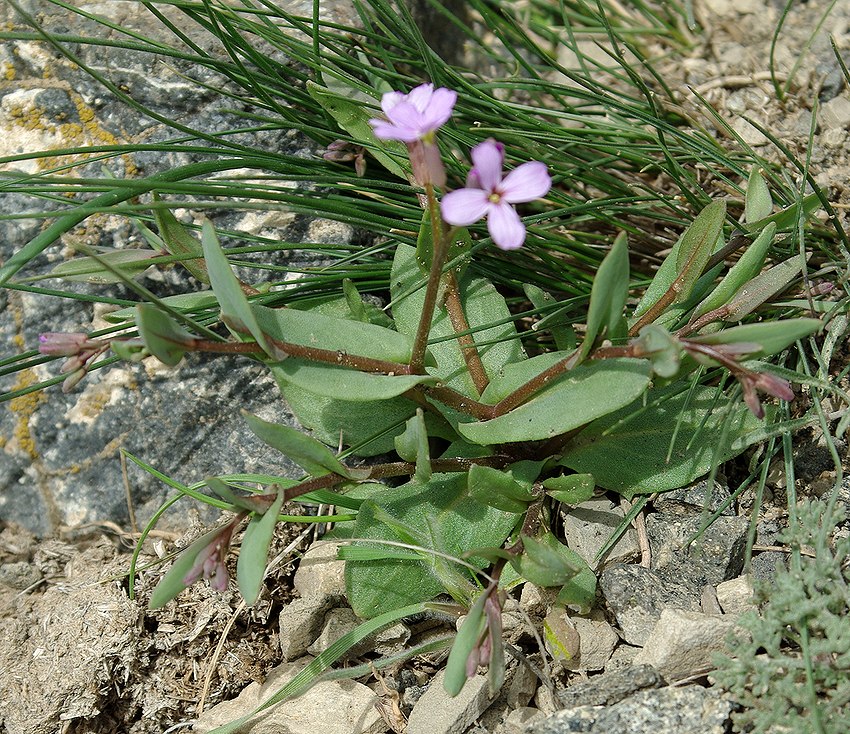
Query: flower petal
point(390, 100)
point(464, 206)
point(388, 131)
point(527, 182)
point(488, 158)
point(505, 227)
point(439, 108)
point(420, 97)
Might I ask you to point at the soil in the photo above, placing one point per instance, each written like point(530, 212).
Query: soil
point(77, 655)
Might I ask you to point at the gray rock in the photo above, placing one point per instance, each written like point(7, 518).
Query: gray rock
point(736, 596)
point(636, 596)
point(597, 640)
point(695, 498)
point(835, 114)
point(301, 623)
point(437, 713)
point(682, 643)
point(589, 526)
point(320, 573)
point(518, 720)
point(609, 688)
point(522, 686)
point(716, 556)
point(332, 707)
point(687, 710)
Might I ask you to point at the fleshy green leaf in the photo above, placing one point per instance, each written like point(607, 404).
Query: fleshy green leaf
point(128, 263)
point(348, 108)
point(163, 337)
point(571, 489)
point(346, 384)
point(498, 489)
point(668, 443)
point(444, 517)
point(412, 445)
point(608, 294)
point(362, 310)
point(312, 329)
point(555, 322)
point(764, 286)
point(580, 591)
point(178, 241)
point(758, 203)
point(181, 302)
point(311, 455)
point(773, 336)
point(546, 562)
point(235, 309)
point(467, 638)
point(579, 397)
point(740, 273)
point(251, 565)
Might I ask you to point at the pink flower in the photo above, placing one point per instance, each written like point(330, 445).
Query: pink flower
point(414, 116)
point(490, 193)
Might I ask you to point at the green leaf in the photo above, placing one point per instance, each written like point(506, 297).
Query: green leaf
point(498, 489)
point(243, 502)
point(789, 217)
point(571, 489)
point(163, 337)
point(235, 308)
point(546, 562)
point(180, 302)
point(313, 329)
point(661, 348)
point(668, 443)
point(128, 263)
point(773, 336)
point(580, 591)
point(178, 241)
point(483, 305)
point(578, 397)
point(740, 273)
point(172, 583)
point(311, 455)
point(467, 638)
point(764, 286)
point(444, 517)
point(608, 294)
point(362, 310)
point(758, 203)
point(555, 322)
point(251, 564)
point(412, 445)
point(345, 384)
point(351, 112)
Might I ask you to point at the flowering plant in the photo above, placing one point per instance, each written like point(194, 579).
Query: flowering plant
point(487, 437)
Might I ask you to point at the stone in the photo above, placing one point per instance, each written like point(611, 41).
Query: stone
point(683, 643)
point(716, 556)
point(636, 596)
point(338, 622)
point(597, 640)
point(835, 114)
point(320, 573)
point(522, 687)
point(437, 713)
point(685, 710)
point(736, 596)
point(588, 526)
point(694, 499)
point(609, 688)
point(332, 707)
point(301, 622)
point(518, 720)
point(750, 134)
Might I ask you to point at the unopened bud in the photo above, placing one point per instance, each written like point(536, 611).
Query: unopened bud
point(60, 344)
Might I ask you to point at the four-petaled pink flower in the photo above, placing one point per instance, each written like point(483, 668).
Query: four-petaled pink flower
point(489, 193)
point(414, 116)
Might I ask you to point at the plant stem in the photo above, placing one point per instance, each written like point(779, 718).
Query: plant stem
point(420, 343)
point(454, 306)
point(326, 356)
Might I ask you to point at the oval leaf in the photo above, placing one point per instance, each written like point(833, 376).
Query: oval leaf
point(251, 565)
point(164, 338)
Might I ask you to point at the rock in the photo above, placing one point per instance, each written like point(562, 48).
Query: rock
point(683, 642)
point(518, 720)
point(301, 622)
point(623, 657)
point(338, 622)
point(560, 636)
point(609, 688)
point(437, 713)
point(736, 596)
point(686, 710)
point(588, 526)
point(597, 640)
point(694, 499)
point(331, 707)
point(522, 686)
point(637, 596)
point(835, 114)
point(320, 573)
point(750, 134)
point(716, 556)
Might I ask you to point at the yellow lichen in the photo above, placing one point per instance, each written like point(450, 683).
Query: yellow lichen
point(7, 71)
point(24, 407)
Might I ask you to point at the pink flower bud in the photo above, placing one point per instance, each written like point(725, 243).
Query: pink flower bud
point(59, 344)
